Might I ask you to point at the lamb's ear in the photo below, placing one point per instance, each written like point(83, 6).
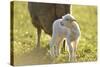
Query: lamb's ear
point(74, 20)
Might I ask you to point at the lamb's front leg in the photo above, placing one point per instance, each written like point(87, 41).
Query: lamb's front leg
point(75, 44)
point(70, 49)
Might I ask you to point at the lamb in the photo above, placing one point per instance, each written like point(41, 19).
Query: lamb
point(67, 28)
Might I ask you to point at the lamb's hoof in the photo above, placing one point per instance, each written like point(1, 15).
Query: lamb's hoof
point(51, 54)
point(73, 61)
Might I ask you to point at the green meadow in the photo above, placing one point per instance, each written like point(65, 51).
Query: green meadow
point(24, 37)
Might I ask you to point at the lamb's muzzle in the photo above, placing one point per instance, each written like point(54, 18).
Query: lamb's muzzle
point(67, 28)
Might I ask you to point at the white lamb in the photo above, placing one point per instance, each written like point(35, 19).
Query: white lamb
point(65, 28)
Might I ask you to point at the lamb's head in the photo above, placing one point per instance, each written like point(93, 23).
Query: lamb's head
point(68, 18)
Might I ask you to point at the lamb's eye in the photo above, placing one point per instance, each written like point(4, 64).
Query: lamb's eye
point(67, 19)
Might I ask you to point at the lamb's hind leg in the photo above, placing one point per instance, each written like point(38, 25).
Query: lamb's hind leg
point(57, 46)
point(52, 46)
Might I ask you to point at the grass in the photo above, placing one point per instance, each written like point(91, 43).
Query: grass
point(87, 19)
point(25, 33)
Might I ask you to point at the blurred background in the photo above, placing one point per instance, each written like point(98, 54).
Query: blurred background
point(24, 37)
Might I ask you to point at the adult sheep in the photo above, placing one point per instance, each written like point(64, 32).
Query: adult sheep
point(43, 15)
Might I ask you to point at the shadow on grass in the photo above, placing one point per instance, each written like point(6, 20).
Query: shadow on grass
point(37, 56)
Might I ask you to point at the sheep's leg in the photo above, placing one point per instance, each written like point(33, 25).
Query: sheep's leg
point(39, 35)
